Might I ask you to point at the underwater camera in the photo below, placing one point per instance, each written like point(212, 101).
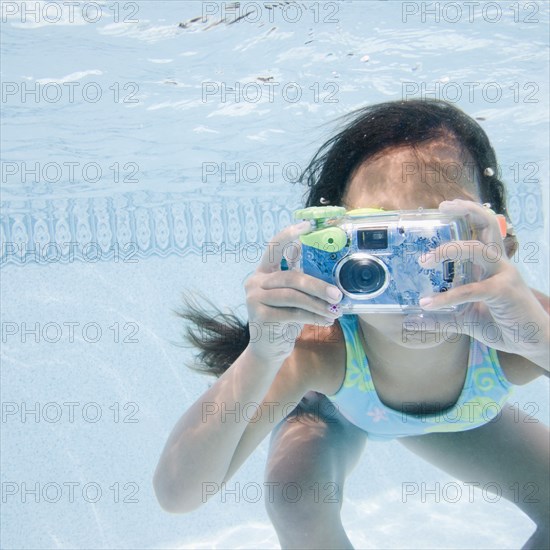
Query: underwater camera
point(372, 255)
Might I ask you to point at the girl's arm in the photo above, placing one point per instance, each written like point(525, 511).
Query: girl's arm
point(203, 443)
point(201, 448)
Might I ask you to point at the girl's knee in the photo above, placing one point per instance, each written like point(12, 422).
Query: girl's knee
point(306, 467)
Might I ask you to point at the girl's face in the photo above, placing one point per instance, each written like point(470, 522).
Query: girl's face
point(402, 179)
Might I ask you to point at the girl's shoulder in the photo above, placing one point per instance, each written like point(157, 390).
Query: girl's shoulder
point(322, 353)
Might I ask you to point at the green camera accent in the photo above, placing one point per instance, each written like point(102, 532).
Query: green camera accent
point(331, 239)
point(364, 211)
point(319, 213)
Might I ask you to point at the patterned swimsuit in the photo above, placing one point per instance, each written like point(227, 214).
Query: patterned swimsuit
point(484, 394)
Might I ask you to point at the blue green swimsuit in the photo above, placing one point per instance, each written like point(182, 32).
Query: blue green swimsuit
point(484, 394)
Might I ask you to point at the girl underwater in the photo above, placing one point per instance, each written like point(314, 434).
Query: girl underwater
point(354, 376)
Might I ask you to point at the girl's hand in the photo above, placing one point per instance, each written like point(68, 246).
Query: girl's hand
point(502, 312)
point(280, 303)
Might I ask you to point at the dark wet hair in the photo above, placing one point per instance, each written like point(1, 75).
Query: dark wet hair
point(222, 337)
point(383, 126)
point(219, 337)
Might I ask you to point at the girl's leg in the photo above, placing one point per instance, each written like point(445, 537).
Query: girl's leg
point(509, 454)
point(311, 452)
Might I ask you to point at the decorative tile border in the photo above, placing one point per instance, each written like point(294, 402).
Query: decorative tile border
point(137, 225)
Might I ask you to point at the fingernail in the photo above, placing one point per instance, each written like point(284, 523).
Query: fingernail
point(425, 302)
point(334, 293)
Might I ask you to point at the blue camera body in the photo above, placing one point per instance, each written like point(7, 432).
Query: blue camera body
point(372, 255)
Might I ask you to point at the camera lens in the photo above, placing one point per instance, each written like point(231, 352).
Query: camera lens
point(363, 275)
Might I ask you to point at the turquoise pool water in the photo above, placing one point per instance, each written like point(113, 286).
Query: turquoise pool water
point(134, 133)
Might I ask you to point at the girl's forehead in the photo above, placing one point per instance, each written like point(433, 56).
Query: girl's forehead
point(424, 162)
point(408, 178)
